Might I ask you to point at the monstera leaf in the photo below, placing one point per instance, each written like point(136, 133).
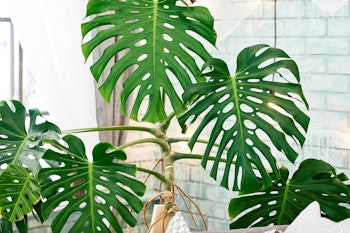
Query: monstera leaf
point(245, 106)
point(92, 189)
point(315, 180)
point(159, 42)
point(19, 192)
point(17, 146)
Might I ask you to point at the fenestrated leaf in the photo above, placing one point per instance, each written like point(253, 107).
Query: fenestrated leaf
point(19, 192)
point(16, 145)
point(159, 43)
point(315, 180)
point(92, 189)
point(241, 109)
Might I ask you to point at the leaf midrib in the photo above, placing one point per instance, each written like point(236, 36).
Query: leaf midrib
point(284, 203)
point(236, 100)
point(16, 206)
point(20, 149)
point(154, 40)
point(91, 191)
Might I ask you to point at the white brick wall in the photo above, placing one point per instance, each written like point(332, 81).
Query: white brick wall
point(319, 42)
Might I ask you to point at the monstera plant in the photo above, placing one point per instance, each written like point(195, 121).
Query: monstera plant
point(253, 114)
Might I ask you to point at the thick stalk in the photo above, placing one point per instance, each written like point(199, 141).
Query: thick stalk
point(152, 131)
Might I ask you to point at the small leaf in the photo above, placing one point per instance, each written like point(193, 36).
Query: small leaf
point(92, 189)
point(158, 40)
point(19, 192)
point(16, 145)
point(315, 180)
point(247, 110)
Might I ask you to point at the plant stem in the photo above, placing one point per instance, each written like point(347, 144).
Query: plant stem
point(158, 141)
point(109, 128)
point(154, 173)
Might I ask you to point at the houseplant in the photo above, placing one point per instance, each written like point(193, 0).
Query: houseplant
point(258, 111)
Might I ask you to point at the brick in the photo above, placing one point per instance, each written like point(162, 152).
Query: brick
point(338, 27)
point(331, 46)
point(261, 28)
point(310, 64)
point(316, 100)
point(338, 102)
point(337, 158)
point(329, 120)
point(305, 27)
point(326, 83)
point(290, 9)
point(242, 10)
point(312, 10)
point(292, 46)
point(338, 65)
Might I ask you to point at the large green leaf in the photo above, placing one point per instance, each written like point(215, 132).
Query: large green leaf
point(19, 192)
point(238, 110)
point(17, 146)
point(315, 180)
point(160, 41)
point(91, 189)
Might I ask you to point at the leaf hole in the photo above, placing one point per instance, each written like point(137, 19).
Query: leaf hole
point(141, 43)
point(80, 193)
point(72, 174)
point(167, 25)
point(99, 200)
point(102, 188)
point(249, 124)
point(229, 122)
point(31, 157)
point(228, 107)
point(77, 182)
point(166, 50)
point(137, 30)
point(82, 205)
point(258, 90)
point(104, 178)
point(273, 213)
point(100, 212)
point(220, 88)
point(167, 37)
point(132, 21)
point(246, 108)
point(273, 202)
point(249, 142)
point(3, 136)
point(142, 57)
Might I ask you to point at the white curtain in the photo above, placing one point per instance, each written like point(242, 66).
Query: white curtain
point(49, 32)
